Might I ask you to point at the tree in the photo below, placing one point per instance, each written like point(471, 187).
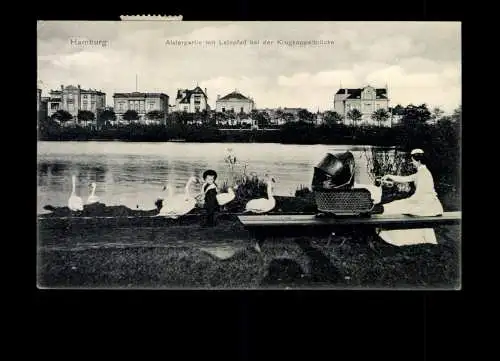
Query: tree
point(332, 117)
point(416, 115)
point(85, 116)
point(355, 115)
point(305, 116)
point(288, 117)
point(380, 116)
point(205, 116)
point(230, 117)
point(437, 113)
point(105, 117)
point(398, 110)
point(279, 115)
point(61, 116)
point(156, 115)
point(202, 117)
point(457, 115)
point(219, 118)
point(130, 115)
point(260, 117)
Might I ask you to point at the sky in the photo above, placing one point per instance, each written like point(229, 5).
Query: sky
point(420, 62)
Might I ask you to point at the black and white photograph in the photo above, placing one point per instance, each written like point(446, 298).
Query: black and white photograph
point(229, 155)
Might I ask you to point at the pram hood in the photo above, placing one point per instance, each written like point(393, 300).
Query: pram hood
point(340, 167)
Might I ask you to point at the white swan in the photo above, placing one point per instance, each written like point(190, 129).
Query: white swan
point(75, 203)
point(263, 205)
point(179, 204)
point(93, 198)
point(225, 198)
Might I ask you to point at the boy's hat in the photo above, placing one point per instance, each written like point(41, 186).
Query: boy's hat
point(210, 172)
point(417, 151)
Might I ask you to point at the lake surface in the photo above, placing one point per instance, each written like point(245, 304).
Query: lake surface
point(133, 174)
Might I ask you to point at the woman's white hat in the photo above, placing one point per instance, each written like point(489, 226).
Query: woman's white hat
point(417, 151)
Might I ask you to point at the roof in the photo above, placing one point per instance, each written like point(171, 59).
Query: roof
point(234, 95)
point(91, 91)
point(185, 94)
point(82, 91)
point(139, 95)
point(355, 93)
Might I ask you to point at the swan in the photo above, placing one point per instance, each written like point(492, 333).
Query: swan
point(263, 205)
point(179, 204)
point(75, 203)
point(225, 198)
point(93, 198)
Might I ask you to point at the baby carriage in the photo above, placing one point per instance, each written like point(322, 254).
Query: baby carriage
point(332, 185)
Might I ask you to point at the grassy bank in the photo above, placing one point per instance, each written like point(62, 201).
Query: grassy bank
point(190, 256)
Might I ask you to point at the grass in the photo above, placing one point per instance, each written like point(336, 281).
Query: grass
point(176, 258)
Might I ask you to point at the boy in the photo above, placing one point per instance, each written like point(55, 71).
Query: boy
point(209, 192)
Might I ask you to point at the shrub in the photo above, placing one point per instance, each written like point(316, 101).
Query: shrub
point(302, 191)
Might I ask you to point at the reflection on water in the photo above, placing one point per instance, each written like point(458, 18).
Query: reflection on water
point(133, 174)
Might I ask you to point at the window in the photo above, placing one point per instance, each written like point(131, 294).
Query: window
point(185, 109)
point(85, 97)
point(197, 99)
point(223, 109)
point(85, 105)
point(197, 109)
point(241, 110)
point(151, 105)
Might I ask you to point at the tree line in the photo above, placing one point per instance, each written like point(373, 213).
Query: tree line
point(231, 119)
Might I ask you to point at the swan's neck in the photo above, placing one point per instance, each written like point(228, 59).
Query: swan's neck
point(73, 189)
point(270, 192)
point(186, 188)
point(93, 191)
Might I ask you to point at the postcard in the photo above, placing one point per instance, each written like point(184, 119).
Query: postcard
point(248, 155)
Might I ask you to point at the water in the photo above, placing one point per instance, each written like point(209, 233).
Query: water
point(133, 174)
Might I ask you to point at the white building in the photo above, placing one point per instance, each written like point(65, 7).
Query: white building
point(234, 102)
point(142, 103)
point(191, 100)
point(74, 98)
point(367, 100)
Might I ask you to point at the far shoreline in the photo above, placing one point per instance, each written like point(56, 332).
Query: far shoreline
point(355, 146)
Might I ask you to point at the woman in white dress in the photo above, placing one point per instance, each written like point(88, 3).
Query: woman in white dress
point(424, 202)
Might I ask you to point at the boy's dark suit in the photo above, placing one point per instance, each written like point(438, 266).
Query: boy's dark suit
point(211, 204)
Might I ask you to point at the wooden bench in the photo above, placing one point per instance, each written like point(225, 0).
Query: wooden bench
point(263, 226)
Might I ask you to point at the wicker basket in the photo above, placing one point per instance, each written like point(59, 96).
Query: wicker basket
point(348, 202)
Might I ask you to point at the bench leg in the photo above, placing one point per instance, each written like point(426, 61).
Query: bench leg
point(257, 238)
point(330, 236)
